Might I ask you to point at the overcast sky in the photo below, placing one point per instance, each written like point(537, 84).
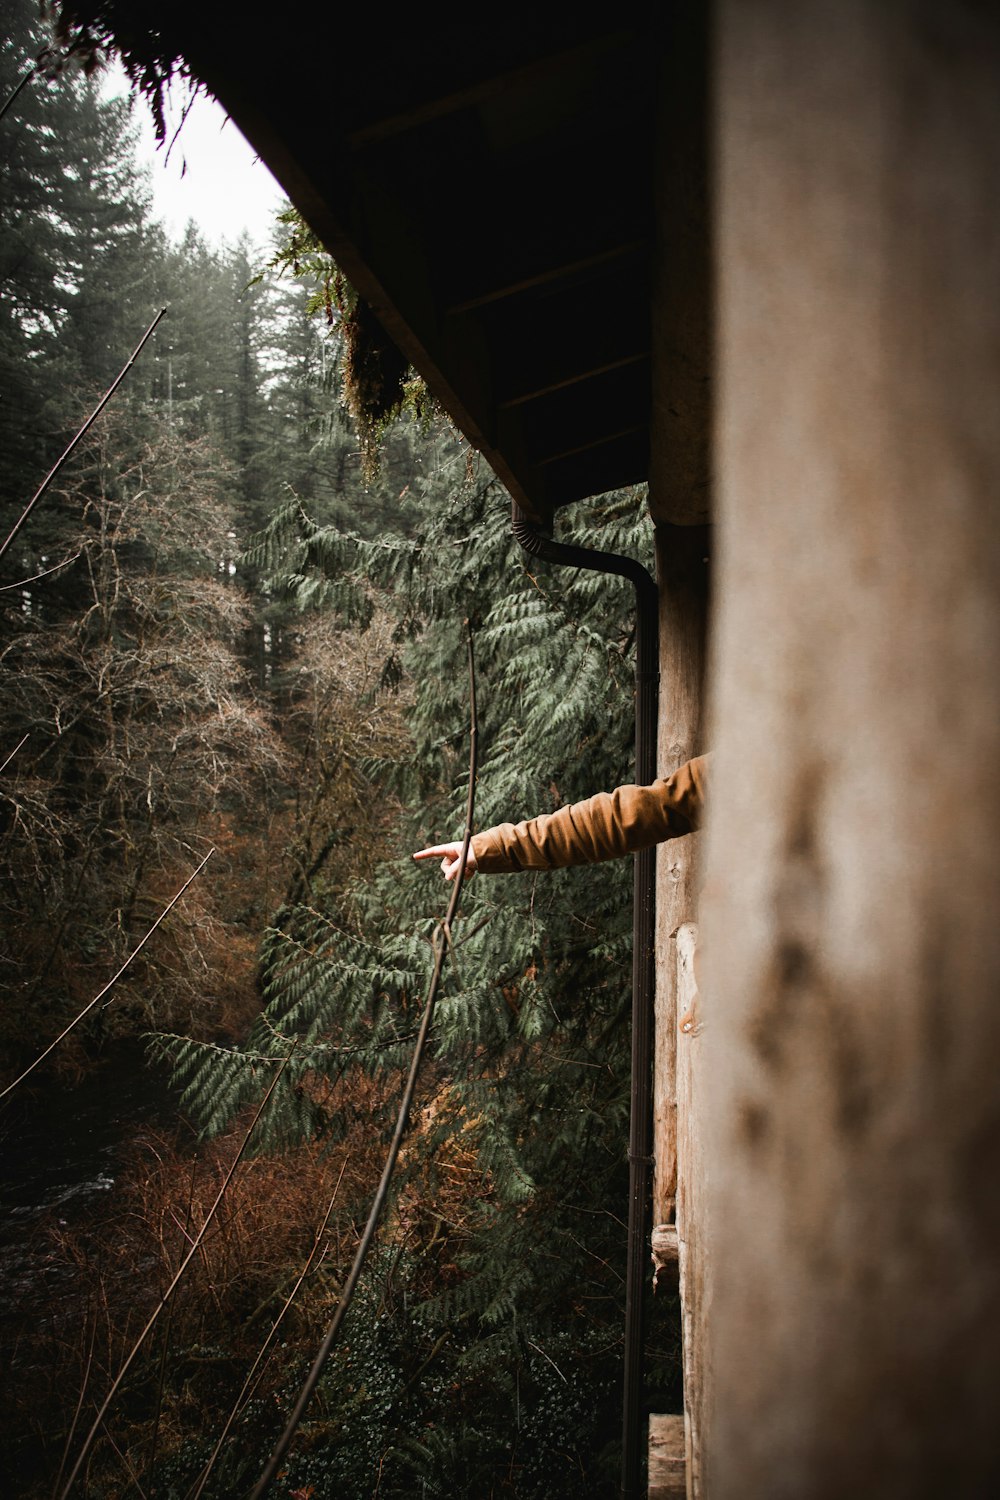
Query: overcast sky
point(212, 175)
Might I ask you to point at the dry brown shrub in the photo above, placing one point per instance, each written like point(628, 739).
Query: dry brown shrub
point(104, 1279)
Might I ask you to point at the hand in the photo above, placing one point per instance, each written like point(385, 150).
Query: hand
point(450, 856)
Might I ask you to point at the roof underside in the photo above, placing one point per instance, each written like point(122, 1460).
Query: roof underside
point(489, 192)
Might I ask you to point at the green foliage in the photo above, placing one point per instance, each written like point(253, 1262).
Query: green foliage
point(407, 1407)
point(90, 30)
point(151, 675)
point(73, 244)
point(481, 1357)
point(530, 1065)
point(377, 382)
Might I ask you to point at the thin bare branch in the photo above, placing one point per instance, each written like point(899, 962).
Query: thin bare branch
point(164, 1300)
point(85, 428)
point(126, 1465)
point(442, 947)
point(79, 1406)
point(35, 577)
point(16, 748)
point(111, 982)
point(435, 1350)
point(184, 114)
point(551, 1361)
point(29, 75)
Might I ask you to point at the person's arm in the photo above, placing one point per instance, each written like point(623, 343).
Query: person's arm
point(450, 856)
point(603, 827)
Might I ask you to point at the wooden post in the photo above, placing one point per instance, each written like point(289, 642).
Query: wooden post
point(666, 1459)
point(683, 571)
point(849, 913)
point(680, 500)
point(682, 565)
point(693, 1169)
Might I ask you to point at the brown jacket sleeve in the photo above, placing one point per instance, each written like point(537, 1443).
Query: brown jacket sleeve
point(603, 827)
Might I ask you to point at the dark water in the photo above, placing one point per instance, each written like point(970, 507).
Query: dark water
point(62, 1149)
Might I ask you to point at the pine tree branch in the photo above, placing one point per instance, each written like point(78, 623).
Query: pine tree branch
point(111, 982)
point(84, 429)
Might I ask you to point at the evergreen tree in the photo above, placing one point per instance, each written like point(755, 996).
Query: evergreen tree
point(35, 238)
point(123, 669)
point(75, 248)
point(530, 1071)
point(105, 264)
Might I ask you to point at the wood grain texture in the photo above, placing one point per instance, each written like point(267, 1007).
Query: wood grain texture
point(848, 920)
point(683, 574)
point(693, 1168)
point(666, 1458)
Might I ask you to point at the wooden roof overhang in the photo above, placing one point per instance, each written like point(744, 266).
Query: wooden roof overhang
point(487, 187)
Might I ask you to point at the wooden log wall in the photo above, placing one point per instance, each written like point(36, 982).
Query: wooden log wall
point(683, 565)
point(680, 499)
point(683, 568)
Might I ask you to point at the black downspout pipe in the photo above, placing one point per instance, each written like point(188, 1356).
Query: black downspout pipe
point(640, 1146)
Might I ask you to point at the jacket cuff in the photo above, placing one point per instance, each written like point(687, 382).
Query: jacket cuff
point(489, 852)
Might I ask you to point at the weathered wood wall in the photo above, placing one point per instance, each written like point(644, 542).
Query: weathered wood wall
point(694, 1171)
point(682, 569)
point(680, 501)
point(666, 1459)
point(849, 917)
